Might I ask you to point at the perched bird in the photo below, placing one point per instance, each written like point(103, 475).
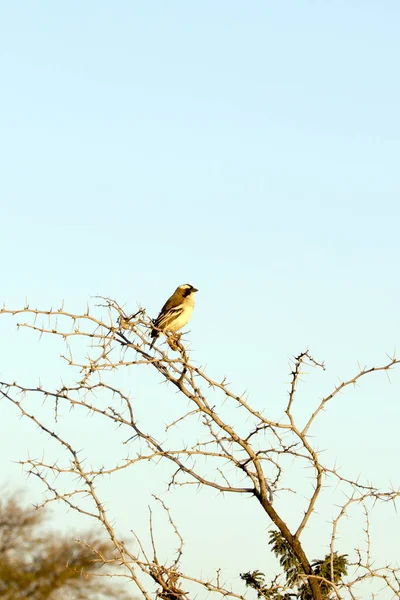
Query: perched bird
point(176, 312)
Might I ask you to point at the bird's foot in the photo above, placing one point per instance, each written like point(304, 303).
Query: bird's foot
point(174, 341)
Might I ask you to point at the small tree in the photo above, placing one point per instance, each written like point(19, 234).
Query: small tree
point(47, 565)
point(241, 452)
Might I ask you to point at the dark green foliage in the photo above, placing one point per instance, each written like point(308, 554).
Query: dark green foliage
point(296, 585)
point(256, 580)
point(287, 559)
point(322, 568)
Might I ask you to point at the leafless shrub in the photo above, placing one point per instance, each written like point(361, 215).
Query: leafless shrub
point(247, 458)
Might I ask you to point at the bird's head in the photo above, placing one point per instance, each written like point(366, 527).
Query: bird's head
point(186, 290)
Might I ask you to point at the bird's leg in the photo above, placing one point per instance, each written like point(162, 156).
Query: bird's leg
point(173, 340)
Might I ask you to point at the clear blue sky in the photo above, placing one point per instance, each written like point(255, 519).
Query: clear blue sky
point(251, 149)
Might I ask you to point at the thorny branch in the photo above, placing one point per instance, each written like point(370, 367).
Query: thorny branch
point(244, 458)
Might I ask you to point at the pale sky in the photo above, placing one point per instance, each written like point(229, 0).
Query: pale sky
point(250, 149)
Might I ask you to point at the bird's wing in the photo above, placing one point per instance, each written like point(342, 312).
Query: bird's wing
point(173, 302)
point(168, 314)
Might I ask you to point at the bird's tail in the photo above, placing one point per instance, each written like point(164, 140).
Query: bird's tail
point(154, 334)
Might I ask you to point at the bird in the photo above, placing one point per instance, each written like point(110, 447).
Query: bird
point(176, 312)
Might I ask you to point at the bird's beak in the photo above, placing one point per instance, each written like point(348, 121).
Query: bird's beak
point(194, 289)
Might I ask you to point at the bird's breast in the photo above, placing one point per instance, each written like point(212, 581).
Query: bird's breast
point(183, 318)
point(189, 300)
